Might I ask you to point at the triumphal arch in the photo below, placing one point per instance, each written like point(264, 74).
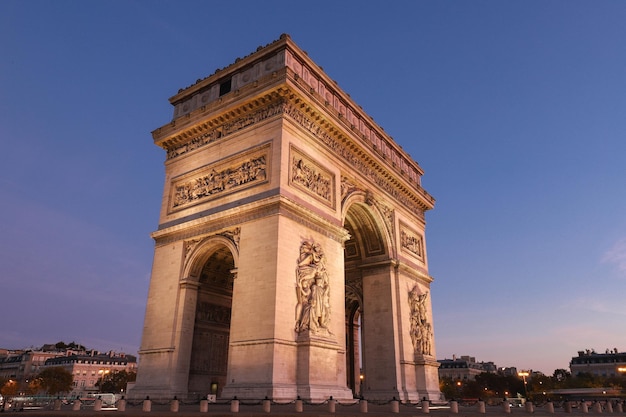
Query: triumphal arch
point(290, 257)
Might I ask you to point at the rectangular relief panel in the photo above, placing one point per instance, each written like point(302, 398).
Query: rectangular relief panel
point(311, 178)
point(245, 170)
point(411, 242)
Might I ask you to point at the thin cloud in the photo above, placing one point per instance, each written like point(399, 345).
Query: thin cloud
point(617, 256)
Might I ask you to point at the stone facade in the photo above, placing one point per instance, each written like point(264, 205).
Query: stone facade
point(291, 227)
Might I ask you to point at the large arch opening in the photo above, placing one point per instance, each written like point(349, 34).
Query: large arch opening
point(211, 333)
point(366, 245)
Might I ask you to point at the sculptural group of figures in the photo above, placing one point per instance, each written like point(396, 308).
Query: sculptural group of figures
point(215, 182)
point(421, 330)
point(313, 290)
point(312, 179)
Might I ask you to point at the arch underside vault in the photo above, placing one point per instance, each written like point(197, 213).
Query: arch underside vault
point(365, 245)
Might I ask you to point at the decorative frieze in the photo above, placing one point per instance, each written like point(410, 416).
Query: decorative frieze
point(357, 162)
point(213, 313)
point(311, 177)
point(334, 143)
point(355, 119)
point(225, 129)
point(411, 241)
point(220, 179)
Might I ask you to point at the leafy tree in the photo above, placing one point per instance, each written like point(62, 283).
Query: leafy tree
point(585, 380)
point(115, 381)
point(9, 387)
point(34, 386)
point(55, 380)
point(449, 388)
point(71, 345)
point(561, 375)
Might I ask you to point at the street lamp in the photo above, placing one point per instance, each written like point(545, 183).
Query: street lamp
point(361, 378)
point(524, 374)
point(102, 373)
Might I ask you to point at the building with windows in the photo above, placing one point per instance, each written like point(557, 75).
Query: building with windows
point(22, 365)
point(607, 364)
point(88, 367)
point(464, 368)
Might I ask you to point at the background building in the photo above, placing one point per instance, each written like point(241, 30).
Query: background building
point(87, 368)
point(599, 364)
point(464, 368)
point(22, 365)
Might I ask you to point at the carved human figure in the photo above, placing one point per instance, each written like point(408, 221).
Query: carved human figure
point(421, 329)
point(319, 305)
point(312, 290)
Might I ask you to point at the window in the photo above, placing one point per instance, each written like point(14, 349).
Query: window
point(225, 87)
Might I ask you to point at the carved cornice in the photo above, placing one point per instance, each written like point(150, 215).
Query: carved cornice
point(284, 101)
point(415, 272)
point(260, 83)
point(415, 200)
point(156, 350)
point(263, 342)
point(229, 219)
point(215, 126)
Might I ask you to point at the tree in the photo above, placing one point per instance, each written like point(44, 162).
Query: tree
point(115, 381)
point(72, 345)
point(449, 387)
point(8, 387)
point(560, 375)
point(55, 380)
point(500, 386)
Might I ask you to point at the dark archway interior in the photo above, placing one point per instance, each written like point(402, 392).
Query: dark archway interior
point(209, 355)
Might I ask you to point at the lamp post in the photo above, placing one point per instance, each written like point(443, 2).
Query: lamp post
point(102, 373)
point(524, 374)
point(361, 377)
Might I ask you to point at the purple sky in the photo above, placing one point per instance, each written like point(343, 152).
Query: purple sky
point(516, 110)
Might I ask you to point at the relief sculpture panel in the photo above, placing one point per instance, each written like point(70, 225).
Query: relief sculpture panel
point(220, 179)
point(312, 178)
point(411, 242)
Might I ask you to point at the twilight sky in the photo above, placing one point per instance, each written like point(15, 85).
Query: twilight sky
point(516, 110)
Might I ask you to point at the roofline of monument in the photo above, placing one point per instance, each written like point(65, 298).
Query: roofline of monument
point(239, 63)
point(285, 42)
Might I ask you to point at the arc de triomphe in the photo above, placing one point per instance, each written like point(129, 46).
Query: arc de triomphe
point(290, 257)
